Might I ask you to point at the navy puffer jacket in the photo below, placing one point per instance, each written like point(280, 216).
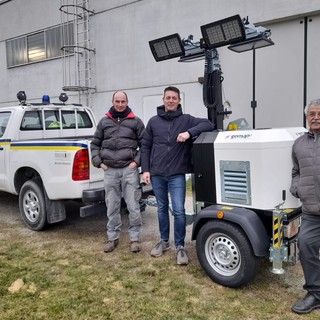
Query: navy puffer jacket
point(161, 154)
point(306, 172)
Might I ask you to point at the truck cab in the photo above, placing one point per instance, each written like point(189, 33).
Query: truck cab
point(45, 158)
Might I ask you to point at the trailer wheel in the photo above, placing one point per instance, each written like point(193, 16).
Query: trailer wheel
point(225, 254)
point(32, 205)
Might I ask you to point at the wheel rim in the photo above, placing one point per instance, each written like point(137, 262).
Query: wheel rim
point(31, 206)
point(223, 254)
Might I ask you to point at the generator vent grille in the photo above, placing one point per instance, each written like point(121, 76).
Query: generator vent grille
point(235, 182)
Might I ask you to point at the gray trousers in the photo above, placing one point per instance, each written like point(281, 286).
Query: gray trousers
point(122, 182)
point(309, 251)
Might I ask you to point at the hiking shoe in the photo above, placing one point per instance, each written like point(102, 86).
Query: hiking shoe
point(182, 257)
point(111, 245)
point(135, 246)
point(159, 248)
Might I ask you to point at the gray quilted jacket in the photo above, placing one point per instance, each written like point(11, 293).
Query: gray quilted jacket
point(305, 182)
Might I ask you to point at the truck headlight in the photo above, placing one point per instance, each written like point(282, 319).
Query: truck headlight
point(292, 228)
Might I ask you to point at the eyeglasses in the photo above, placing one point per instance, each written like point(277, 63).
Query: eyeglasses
point(313, 114)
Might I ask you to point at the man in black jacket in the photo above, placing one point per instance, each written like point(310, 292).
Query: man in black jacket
point(165, 159)
point(114, 149)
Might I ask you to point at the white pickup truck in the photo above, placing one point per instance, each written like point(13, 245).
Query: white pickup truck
point(45, 158)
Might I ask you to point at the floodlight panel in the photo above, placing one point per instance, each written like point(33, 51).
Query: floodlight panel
point(167, 47)
point(223, 32)
point(251, 44)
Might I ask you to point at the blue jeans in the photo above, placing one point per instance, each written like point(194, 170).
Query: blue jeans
point(176, 187)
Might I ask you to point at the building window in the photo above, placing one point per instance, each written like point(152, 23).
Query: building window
point(17, 51)
point(36, 47)
point(39, 46)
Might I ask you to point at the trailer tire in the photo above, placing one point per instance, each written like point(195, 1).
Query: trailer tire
point(32, 205)
point(225, 254)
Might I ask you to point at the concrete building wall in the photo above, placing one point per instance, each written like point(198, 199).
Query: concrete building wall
point(120, 31)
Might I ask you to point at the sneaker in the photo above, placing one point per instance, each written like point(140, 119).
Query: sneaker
point(111, 245)
point(135, 246)
point(159, 248)
point(182, 257)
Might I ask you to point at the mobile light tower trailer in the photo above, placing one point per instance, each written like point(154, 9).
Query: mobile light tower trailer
point(241, 181)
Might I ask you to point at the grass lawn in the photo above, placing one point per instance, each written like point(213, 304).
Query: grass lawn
point(62, 273)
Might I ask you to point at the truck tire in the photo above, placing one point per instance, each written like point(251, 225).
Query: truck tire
point(225, 254)
point(32, 205)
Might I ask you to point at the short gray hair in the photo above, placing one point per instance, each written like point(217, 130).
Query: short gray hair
point(314, 102)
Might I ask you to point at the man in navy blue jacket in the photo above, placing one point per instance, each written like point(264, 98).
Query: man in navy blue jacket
point(165, 159)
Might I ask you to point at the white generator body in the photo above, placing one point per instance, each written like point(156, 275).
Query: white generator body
point(253, 167)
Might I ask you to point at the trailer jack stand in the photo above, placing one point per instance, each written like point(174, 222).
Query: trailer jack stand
point(278, 252)
point(277, 267)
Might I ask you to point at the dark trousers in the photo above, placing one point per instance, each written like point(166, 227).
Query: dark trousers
point(309, 251)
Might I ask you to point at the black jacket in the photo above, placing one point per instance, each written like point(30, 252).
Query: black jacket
point(161, 154)
point(116, 141)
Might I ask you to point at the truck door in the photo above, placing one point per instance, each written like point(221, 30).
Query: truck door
point(4, 145)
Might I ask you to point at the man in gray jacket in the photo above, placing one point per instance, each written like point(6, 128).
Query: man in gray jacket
point(114, 149)
point(306, 186)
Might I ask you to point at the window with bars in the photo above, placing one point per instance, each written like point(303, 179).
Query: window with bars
point(39, 46)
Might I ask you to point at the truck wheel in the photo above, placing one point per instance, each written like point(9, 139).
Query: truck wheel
point(32, 205)
point(225, 254)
